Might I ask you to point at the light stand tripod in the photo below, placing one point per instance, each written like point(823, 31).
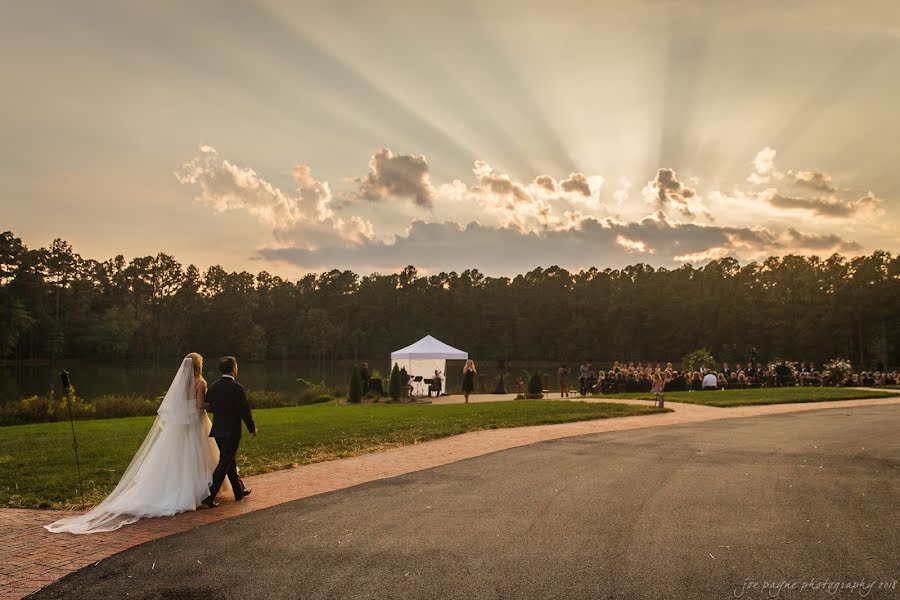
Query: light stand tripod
point(70, 396)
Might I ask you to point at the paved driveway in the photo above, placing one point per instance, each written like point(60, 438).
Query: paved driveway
point(703, 510)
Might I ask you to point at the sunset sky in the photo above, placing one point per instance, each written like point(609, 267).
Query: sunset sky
point(501, 135)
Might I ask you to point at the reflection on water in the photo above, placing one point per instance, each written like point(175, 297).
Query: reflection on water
point(92, 378)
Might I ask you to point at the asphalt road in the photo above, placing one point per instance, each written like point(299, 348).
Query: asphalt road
point(682, 512)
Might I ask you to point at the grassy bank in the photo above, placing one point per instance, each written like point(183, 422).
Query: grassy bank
point(37, 466)
point(728, 398)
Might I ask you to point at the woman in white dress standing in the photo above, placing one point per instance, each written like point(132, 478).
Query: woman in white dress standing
point(171, 471)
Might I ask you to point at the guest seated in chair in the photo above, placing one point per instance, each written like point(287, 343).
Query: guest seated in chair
point(435, 385)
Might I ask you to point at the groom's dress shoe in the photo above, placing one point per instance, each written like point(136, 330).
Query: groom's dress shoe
point(244, 494)
point(208, 502)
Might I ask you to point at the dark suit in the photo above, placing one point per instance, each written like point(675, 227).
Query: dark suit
point(227, 400)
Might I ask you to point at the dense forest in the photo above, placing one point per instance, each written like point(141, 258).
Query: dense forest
point(55, 303)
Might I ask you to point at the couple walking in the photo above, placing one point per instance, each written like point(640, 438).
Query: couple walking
point(185, 459)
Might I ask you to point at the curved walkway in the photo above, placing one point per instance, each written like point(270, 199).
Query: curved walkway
point(31, 558)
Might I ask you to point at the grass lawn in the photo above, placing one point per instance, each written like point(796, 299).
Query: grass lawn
point(37, 465)
point(727, 398)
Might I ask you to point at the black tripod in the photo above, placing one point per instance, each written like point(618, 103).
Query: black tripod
point(70, 396)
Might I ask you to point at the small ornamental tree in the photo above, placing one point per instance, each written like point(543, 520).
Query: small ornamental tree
point(698, 360)
point(395, 386)
point(356, 386)
point(535, 386)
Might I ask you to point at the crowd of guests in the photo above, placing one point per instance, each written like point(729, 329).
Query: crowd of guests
point(647, 377)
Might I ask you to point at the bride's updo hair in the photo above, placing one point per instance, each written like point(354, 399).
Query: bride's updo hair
point(198, 364)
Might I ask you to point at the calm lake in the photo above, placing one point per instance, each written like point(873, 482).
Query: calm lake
point(92, 379)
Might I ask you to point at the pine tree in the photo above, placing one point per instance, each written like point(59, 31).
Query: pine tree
point(535, 386)
point(355, 394)
point(394, 387)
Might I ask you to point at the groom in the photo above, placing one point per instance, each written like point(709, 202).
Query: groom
point(227, 400)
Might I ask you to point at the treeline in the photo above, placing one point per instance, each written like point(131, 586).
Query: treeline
point(55, 303)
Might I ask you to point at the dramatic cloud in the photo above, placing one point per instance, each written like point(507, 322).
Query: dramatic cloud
point(826, 206)
point(577, 183)
point(814, 180)
point(225, 186)
point(546, 182)
point(397, 175)
point(764, 169)
point(510, 201)
point(515, 225)
point(594, 242)
point(666, 190)
point(632, 245)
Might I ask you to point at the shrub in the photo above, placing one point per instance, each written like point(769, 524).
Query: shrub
point(266, 399)
point(535, 385)
point(124, 406)
point(698, 360)
point(394, 388)
point(356, 386)
point(43, 409)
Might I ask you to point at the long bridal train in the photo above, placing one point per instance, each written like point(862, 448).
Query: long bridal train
point(171, 471)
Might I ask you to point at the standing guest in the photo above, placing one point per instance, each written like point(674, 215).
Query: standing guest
point(678, 382)
point(469, 372)
point(365, 374)
point(782, 374)
point(583, 372)
point(562, 374)
point(710, 381)
point(435, 385)
point(725, 370)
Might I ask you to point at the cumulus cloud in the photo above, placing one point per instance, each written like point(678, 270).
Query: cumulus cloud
point(764, 169)
point(577, 183)
point(226, 186)
point(666, 190)
point(814, 180)
point(397, 175)
point(829, 206)
point(509, 200)
point(546, 182)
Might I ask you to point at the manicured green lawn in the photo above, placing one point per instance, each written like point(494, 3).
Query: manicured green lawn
point(727, 398)
point(37, 465)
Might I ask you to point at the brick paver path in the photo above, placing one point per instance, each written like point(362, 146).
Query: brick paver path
point(31, 558)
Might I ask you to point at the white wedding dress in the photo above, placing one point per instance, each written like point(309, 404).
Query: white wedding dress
point(171, 471)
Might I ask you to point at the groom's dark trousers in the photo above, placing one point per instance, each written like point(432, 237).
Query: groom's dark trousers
point(228, 403)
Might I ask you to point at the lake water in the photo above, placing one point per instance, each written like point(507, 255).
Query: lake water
point(92, 379)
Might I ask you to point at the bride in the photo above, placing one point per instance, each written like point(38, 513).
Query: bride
point(171, 471)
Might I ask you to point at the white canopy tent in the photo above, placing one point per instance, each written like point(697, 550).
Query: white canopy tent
point(426, 356)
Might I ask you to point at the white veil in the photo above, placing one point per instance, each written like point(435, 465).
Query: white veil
point(169, 473)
